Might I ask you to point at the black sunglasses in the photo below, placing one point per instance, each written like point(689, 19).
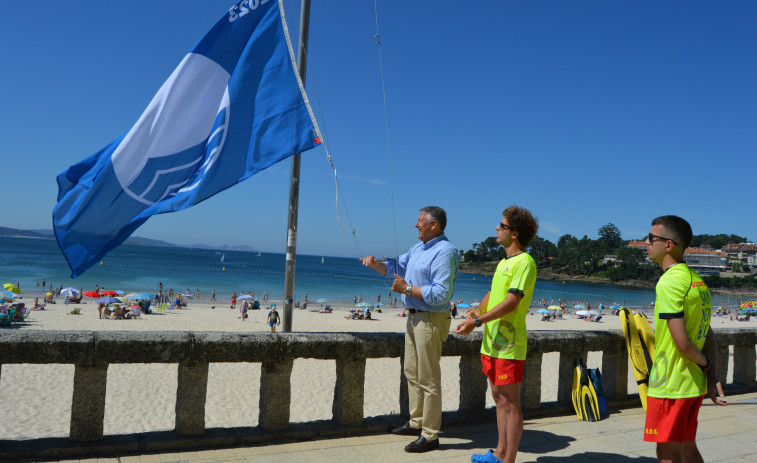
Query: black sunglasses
point(653, 237)
point(502, 226)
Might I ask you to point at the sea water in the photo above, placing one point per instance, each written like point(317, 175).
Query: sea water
point(141, 268)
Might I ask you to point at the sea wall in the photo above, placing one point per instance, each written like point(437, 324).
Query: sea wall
point(91, 353)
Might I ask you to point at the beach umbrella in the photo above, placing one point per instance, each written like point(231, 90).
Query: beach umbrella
point(192, 295)
point(554, 307)
point(322, 300)
point(120, 293)
point(70, 292)
point(12, 288)
point(91, 294)
point(475, 304)
point(582, 312)
point(464, 306)
point(542, 311)
point(363, 304)
point(143, 296)
point(243, 296)
point(591, 312)
point(109, 293)
point(107, 300)
point(616, 306)
point(379, 304)
point(746, 305)
point(579, 306)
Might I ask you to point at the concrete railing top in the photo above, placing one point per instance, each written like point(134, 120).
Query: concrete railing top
point(101, 347)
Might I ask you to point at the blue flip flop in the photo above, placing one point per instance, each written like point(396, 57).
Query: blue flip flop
point(485, 458)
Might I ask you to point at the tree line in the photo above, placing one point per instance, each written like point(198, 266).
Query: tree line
point(585, 256)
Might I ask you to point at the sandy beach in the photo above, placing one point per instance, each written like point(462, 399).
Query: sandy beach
point(142, 397)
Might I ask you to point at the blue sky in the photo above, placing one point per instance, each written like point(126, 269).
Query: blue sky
point(586, 112)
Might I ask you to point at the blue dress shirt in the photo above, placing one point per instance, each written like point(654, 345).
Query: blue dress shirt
point(433, 266)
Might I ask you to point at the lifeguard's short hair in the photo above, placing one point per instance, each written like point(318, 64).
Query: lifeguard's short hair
point(680, 228)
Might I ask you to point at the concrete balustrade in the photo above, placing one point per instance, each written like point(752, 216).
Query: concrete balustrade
point(193, 352)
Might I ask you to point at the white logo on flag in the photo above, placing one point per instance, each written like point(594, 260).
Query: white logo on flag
point(172, 140)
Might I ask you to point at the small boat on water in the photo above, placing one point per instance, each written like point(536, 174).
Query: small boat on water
point(223, 258)
point(322, 260)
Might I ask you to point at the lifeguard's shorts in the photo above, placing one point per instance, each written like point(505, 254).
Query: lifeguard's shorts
point(502, 371)
point(672, 419)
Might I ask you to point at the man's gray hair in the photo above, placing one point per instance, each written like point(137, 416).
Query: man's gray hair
point(435, 213)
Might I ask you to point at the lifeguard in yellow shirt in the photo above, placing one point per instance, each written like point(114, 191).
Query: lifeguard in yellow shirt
point(503, 313)
point(685, 364)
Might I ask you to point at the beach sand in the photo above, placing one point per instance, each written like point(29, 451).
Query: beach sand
point(37, 398)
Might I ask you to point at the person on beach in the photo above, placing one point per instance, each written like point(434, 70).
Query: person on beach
point(426, 277)
point(244, 311)
point(213, 295)
point(273, 318)
point(686, 354)
point(503, 313)
point(233, 300)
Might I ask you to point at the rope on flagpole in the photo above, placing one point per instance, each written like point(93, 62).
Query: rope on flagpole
point(324, 139)
point(386, 122)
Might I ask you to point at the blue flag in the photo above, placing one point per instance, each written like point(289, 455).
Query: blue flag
point(231, 108)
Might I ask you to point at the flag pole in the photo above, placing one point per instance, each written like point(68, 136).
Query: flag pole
point(294, 181)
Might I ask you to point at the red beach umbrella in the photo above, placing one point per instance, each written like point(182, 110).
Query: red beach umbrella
point(91, 294)
point(109, 293)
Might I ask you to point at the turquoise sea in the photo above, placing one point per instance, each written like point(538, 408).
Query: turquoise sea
point(141, 268)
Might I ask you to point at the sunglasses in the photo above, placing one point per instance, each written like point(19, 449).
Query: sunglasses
point(502, 226)
point(652, 237)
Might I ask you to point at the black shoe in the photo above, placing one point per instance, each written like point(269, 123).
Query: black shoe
point(406, 430)
point(421, 445)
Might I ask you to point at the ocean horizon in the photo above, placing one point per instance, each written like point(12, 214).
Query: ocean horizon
point(141, 268)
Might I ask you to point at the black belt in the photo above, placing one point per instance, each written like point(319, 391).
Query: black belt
point(415, 310)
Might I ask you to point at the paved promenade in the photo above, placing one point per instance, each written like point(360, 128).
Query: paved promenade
point(726, 435)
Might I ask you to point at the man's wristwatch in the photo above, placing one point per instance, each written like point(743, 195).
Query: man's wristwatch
point(408, 290)
point(477, 321)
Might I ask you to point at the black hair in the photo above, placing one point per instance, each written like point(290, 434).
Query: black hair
point(680, 228)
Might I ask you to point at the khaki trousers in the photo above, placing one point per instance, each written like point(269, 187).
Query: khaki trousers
point(425, 333)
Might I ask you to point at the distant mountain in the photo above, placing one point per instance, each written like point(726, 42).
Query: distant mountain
point(49, 234)
point(224, 247)
point(5, 231)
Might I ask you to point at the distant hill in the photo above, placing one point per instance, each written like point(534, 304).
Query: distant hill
point(5, 231)
point(225, 247)
point(48, 234)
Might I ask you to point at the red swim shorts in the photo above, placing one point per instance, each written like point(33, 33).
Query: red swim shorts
point(502, 371)
point(672, 419)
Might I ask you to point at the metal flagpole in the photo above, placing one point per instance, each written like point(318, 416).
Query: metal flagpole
point(294, 183)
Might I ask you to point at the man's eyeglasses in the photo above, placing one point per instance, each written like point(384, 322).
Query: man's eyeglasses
point(652, 237)
point(502, 226)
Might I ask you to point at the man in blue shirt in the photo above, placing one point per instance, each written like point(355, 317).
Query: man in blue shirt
point(425, 276)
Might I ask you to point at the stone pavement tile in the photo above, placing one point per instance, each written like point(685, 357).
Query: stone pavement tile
point(204, 455)
point(189, 456)
point(131, 459)
point(170, 457)
point(151, 458)
point(722, 448)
